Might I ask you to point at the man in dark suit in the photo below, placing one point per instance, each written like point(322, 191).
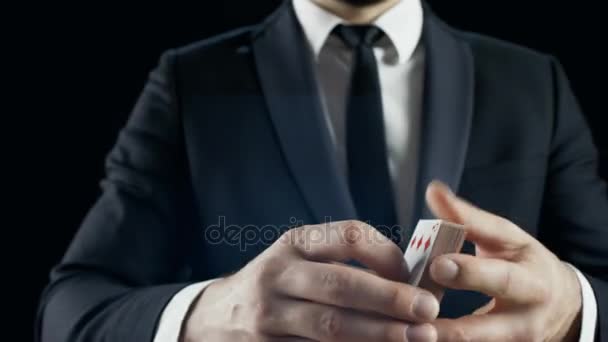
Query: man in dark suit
point(235, 196)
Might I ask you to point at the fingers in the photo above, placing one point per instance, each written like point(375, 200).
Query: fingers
point(352, 288)
point(328, 323)
point(493, 327)
point(498, 278)
point(481, 227)
point(487, 308)
point(346, 240)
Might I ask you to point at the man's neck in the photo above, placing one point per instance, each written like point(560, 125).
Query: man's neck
point(356, 14)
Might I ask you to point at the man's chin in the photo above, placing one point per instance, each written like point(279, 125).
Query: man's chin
point(361, 3)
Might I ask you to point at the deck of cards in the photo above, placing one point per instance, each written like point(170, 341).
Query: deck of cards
point(431, 238)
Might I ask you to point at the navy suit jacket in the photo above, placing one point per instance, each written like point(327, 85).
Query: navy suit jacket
point(228, 135)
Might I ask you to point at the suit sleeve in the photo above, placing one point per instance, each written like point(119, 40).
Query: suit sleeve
point(575, 210)
point(124, 263)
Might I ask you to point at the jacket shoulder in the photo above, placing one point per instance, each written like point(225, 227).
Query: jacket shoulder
point(227, 42)
point(500, 50)
point(501, 63)
point(222, 59)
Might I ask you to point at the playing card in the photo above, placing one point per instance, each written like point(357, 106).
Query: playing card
point(419, 248)
point(430, 239)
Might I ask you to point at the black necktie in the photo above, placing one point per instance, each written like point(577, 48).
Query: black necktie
point(368, 173)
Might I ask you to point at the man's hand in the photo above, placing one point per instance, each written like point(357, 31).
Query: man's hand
point(298, 290)
point(536, 297)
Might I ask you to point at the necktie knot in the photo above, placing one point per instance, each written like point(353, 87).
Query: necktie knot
point(357, 35)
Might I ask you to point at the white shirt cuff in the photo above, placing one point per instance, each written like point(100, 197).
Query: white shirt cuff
point(589, 310)
point(172, 318)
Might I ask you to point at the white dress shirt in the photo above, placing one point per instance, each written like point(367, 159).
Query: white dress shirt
point(400, 57)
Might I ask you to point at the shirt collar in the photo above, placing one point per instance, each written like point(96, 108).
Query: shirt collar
point(402, 24)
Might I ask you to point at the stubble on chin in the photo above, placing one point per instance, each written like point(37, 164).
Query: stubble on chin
point(361, 3)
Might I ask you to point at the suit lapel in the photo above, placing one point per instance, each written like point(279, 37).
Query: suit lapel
point(447, 110)
point(285, 69)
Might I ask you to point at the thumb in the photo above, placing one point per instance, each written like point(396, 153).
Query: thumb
point(481, 227)
point(440, 200)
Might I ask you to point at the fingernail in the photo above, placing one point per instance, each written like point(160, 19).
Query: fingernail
point(425, 332)
point(425, 306)
point(446, 269)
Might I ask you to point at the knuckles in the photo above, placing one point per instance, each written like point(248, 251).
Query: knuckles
point(506, 283)
point(351, 233)
point(330, 324)
point(334, 285)
point(266, 272)
point(533, 330)
point(391, 298)
point(295, 236)
point(260, 309)
point(291, 236)
point(262, 316)
point(459, 334)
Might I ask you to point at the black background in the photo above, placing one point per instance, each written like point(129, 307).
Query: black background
point(80, 68)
